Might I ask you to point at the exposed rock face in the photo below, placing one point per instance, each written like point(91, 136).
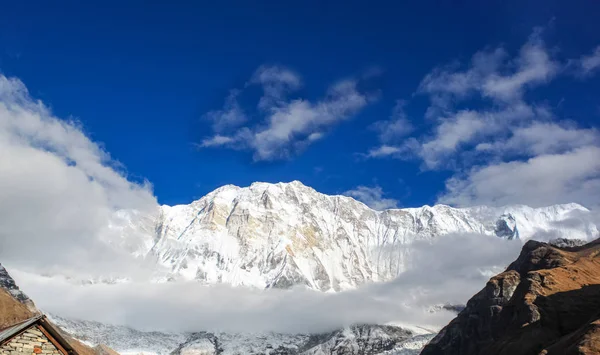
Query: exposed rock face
point(506, 227)
point(287, 234)
point(354, 340)
point(565, 243)
point(8, 284)
point(547, 302)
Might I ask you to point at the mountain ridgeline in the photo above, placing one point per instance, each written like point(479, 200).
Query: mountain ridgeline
point(547, 302)
point(286, 234)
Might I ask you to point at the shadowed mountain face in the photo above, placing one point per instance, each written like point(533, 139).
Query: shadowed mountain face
point(546, 303)
point(8, 284)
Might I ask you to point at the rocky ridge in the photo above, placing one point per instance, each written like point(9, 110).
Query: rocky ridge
point(8, 284)
point(547, 302)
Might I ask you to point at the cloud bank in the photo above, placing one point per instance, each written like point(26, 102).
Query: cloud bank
point(435, 276)
point(61, 191)
point(58, 190)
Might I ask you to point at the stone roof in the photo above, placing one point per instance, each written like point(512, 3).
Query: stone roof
point(11, 331)
point(52, 333)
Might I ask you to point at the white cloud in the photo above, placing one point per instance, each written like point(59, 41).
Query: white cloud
point(462, 127)
point(391, 132)
point(435, 276)
point(372, 197)
point(396, 127)
point(543, 138)
point(384, 151)
point(276, 81)
point(460, 84)
point(58, 189)
point(534, 66)
point(461, 130)
point(587, 65)
point(492, 76)
point(230, 116)
point(290, 126)
point(215, 141)
point(546, 179)
point(502, 148)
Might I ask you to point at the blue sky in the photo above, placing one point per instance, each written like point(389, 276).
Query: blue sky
point(459, 102)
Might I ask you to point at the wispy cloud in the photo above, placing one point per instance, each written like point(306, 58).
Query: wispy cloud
point(391, 132)
point(587, 65)
point(492, 74)
point(502, 147)
point(289, 126)
point(230, 116)
point(396, 127)
point(276, 82)
point(543, 138)
point(372, 197)
point(385, 151)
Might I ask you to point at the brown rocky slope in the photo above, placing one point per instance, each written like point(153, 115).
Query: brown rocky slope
point(547, 302)
point(16, 307)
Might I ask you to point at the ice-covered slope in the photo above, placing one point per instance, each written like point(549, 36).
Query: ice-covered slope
point(357, 339)
point(279, 235)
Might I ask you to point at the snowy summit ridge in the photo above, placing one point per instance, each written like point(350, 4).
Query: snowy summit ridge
point(286, 234)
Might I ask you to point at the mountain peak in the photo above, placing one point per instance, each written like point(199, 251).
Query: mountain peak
point(286, 234)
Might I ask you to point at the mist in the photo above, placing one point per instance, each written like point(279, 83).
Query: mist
point(59, 191)
point(439, 273)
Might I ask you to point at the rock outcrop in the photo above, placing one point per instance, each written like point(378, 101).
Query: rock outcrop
point(8, 284)
point(16, 307)
point(547, 302)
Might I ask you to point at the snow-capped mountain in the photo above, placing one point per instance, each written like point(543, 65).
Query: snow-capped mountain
point(288, 234)
point(357, 339)
point(285, 234)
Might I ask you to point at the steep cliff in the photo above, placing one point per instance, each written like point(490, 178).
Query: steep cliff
point(286, 234)
point(547, 302)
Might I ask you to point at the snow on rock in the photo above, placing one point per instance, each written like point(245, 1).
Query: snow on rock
point(358, 339)
point(123, 339)
point(286, 234)
point(8, 283)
